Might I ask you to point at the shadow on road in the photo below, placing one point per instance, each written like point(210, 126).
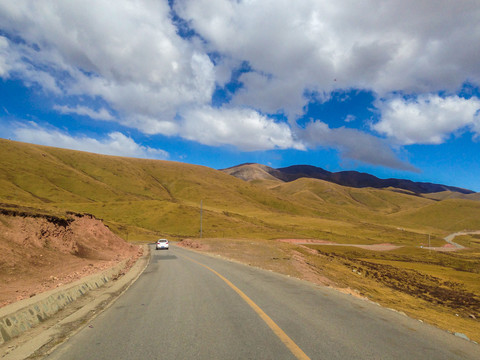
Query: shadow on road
point(162, 257)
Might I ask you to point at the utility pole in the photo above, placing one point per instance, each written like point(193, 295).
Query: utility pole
point(201, 215)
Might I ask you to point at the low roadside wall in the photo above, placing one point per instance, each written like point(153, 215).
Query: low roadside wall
point(25, 314)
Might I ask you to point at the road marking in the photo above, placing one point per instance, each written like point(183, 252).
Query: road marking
point(289, 343)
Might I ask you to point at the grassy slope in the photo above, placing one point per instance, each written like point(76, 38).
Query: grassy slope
point(164, 197)
point(448, 215)
point(142, 199)
point(444, 195)
point(159, 196)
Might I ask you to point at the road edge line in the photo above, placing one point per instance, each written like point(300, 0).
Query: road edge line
point(284, 338)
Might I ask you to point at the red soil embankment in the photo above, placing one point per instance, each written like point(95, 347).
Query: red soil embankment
point(39, 253)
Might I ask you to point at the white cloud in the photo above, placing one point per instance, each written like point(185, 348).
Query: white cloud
point(4, 67)
point(350, 118)
point(14, 63)
point(271, 95)
point(427, 119)
point(129, 54)
point(101, 114)
point(151, 125)
point(322, 45)
point(245, 128)
point(353, 144)
point(115, 143)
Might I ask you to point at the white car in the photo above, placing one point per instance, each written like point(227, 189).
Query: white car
point(162, 244)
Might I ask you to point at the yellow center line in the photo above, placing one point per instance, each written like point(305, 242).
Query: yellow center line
point(289, 343)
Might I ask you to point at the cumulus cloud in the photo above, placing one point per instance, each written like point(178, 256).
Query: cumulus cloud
point(128, 54)
point(115, 143)
point(427, 119)
point(245, 128)
point(353, 144)
point(101, 114)
point(4, 68)
point(321, 45)
point(131, 56)
point(14, 64)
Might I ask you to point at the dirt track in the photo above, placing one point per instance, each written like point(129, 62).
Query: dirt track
point(450, 246)
point(375, 247)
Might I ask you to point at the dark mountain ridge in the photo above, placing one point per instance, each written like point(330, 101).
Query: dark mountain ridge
point(345, 178)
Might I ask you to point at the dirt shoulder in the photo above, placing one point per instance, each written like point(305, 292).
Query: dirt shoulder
point(40, 253)
point(436, 287)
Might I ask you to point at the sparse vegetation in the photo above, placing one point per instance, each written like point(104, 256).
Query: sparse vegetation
point(440, 288)
point(141, 200)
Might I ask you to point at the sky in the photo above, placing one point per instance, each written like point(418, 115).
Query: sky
point(391, 88)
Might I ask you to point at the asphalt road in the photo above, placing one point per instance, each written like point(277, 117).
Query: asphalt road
point(191, 306)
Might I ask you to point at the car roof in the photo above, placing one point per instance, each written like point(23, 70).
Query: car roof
point(162, 240)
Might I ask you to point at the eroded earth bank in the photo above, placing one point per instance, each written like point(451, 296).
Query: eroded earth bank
point(42, 252)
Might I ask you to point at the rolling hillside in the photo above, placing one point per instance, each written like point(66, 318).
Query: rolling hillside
point(142, 199)
point(160, 196)
point(354, 179)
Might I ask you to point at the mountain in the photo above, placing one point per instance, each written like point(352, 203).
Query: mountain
point(249, 172)
point(142, 199)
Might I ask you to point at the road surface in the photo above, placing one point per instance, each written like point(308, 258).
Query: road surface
point(192, 306)
point(450, 237)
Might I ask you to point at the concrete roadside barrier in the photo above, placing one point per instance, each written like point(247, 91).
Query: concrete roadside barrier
point(23, 315)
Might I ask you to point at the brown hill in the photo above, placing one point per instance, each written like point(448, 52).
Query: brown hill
point(444, 195)
point(39, 252)
point(249, 172)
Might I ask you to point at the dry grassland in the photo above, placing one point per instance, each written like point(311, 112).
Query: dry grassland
point(141, 200)
point(442, 289)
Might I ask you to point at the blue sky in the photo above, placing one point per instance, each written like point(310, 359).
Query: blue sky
point(393, 92)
